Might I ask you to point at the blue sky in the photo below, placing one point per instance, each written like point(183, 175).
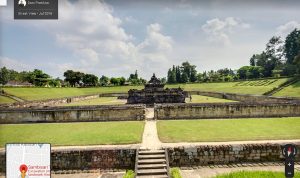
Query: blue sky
point(115, 37)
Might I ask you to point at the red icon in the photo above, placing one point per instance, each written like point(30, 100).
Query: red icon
point(23, 168)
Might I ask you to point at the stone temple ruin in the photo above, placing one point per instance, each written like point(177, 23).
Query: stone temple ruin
point(154, 92)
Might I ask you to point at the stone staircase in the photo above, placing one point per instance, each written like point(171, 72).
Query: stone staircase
point(282, 86)
point(151, 164)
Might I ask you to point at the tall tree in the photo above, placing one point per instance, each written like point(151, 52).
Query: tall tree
point(177, 73)
point(4, 75)
point(292, 46)
point(274, 50)
point(73, 77)
point(104, 80)
point(90, 80)
point(253, 60)
point(171, 76)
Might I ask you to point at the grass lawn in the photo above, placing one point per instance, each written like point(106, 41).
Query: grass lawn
point(292, 90)
point(49, 93)
point(256, 174)
point(209, 130)
point(206, 99)
point(98, 101)
point(6, 100)
point(80, 133)
point(245, 87)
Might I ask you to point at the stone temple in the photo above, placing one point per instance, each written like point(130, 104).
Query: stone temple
point(154, 92)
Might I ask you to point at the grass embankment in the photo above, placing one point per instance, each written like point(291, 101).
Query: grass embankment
point(206, 99)
point(292, 90)
point(50, 93)
point(209, 130)
point(98, 101)
point(256, 174)
point(6, 100)
point(82, 133)
point(244, 87)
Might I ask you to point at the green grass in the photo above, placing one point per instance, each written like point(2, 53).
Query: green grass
point(206, 99)
point(254, 87)
point(98, 101)
point(50, 93)
point(233, 87)
point(81, 133)
point(6, 100)
point(255, 174)
point(129, 174)
point(292, 90)
point(209, 130)
point(175, 173)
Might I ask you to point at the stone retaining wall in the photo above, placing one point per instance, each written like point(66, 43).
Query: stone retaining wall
point(88, 158)
point(225, 110)
point(244, 97)
point(226, 154)
point(73, 114)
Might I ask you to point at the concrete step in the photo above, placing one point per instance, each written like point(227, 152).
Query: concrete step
point(151, 166)
point(151, 161)
point(158, 156)
point(153, 176)
point(151, 171)
point(147, 152)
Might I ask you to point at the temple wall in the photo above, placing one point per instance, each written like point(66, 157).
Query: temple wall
point(226, 154)
point(122, 157)
point(225, 110)
point(244, 97)
point(73, 114)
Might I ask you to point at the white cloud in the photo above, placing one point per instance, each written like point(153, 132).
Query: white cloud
point(155, 40)
point(14, 64)
point(285, 29)
point(100, 44)
point(219, 30)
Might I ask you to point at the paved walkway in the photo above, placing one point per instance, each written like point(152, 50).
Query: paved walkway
point(150, 136)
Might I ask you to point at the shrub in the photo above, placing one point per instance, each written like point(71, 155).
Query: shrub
point(175, 173)
point(129, 174)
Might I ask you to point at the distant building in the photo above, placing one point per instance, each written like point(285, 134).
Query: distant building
point(15, 83)
point(154, 92)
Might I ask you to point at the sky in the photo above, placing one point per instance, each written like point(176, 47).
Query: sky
point(117, 37)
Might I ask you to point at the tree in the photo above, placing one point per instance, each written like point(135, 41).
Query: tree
point(115, 81)
point(189, 70)
point(274, 50)
point(122, 80)
point(292, 46)
point(171, 76)
point(134, 76)
point(253, 60)
point(289, 70)
point(184, 78)
point(104, 80)
point(177, 74)
point(242, 72)
point(4, 75)
point(73, 77)
point(55, 82)
point(90, 80)
point(297, 62)
point(193, 77)
point(163, 80)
